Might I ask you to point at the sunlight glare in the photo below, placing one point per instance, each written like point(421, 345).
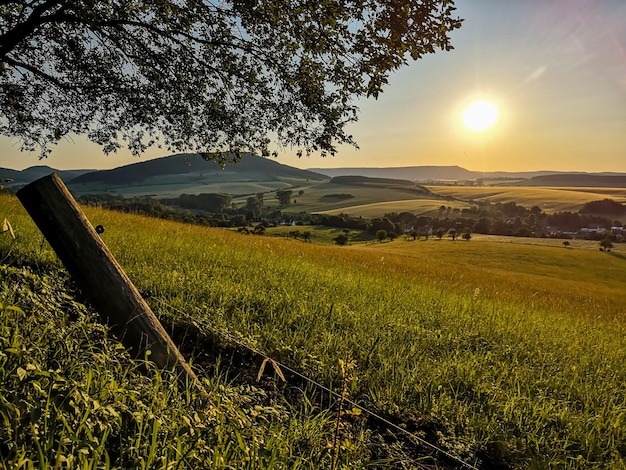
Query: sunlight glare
point(480, 116)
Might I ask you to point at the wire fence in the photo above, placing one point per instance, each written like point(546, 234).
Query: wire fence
point(279, 367)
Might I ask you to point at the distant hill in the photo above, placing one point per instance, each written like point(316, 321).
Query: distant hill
point(429, 173)
point(21, 177)
point(578, 180)
point(364, 180)
point(249, 168)
point(412, 173)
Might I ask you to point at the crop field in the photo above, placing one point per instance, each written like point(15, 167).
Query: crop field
point(503, 355)
point(174, 186)
point(549, 199)
point(376, 201)
point(416, 205)
point(316, 199)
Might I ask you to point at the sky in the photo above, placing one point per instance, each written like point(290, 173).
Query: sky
point(555, 71)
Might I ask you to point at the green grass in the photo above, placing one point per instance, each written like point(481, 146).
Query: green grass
point(313, 200)
point(498, 353)
point(319, 234)
point(416, 205)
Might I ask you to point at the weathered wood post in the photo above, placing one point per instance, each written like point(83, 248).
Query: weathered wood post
point(97, 273)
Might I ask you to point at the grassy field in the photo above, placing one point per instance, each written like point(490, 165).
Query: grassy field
point(367, 201)
point(549, 199)
point(313, 198)
point(374, 202)
point(174, 186)
point(503, 354)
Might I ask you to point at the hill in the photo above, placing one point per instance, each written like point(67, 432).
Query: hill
point(413, 173)
point(457, 173)
point(20, 177)
point(504, 355)
point(179, 174)
point(249, 168)
point(578, 180)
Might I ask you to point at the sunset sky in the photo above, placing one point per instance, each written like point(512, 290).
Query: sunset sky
point(554, 71)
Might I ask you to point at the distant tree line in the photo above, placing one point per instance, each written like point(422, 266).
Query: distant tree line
point(205, 209)
point(508, 219)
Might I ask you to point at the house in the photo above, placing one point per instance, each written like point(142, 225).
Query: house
point(592, 230)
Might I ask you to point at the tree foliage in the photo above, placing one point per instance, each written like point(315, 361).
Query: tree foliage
point(284, 196)
point(217, 78)
point(605, 206)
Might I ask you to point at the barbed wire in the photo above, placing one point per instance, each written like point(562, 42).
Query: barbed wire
point(275, 363)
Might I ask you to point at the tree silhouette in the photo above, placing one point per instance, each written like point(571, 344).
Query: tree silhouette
point(218, 78)
point(284, 196)
point(341, 239)
point(606, 244)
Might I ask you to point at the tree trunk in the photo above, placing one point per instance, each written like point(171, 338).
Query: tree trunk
point(98, 275)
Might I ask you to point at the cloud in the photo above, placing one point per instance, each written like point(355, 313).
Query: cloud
point(536, 74)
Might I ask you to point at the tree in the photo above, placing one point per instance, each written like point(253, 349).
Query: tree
point(566, 244)
point(483, 225)
point(284, 196)
point(253, 205)
point(341, 240)
point(606, 244)
point(216, 78)
point(467, 236)
point(381, 235)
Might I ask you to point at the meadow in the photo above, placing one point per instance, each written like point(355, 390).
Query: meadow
point(504, 355)
point(557, 199)
point(376, 201)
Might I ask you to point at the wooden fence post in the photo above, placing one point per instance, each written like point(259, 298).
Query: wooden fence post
point(101, 279)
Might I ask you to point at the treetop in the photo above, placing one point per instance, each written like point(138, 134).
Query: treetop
point(215, 77)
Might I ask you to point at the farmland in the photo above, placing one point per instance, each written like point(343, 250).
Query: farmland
point(507, 354)
point(548, 199)
point(374, 202)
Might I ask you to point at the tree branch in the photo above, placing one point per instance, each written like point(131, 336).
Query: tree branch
point(10, 39)
point(38, 72)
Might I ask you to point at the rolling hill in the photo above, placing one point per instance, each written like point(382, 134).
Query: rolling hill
point(413, 173)
point(457, 173)
point(21, 177)
point(578, 180)
point(188, 173)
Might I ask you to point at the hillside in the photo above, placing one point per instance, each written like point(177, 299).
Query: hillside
point(249, 168)
point(504, 355)
point(457, 173)
point(578, 180)
point(412, 173)
point(179, 174)
point(28, 175)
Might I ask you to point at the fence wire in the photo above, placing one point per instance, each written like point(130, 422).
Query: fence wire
point(281, 366)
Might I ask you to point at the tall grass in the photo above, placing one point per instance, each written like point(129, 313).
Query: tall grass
point(498, 353)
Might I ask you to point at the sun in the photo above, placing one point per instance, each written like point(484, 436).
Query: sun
point(480, 116)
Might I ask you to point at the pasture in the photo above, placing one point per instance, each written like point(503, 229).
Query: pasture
point(376, 201)
point(548, 199)
point(500, 353)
